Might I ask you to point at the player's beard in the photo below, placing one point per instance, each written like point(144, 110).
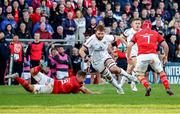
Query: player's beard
point(99, 38)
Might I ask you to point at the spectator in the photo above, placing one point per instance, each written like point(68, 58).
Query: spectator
point(174, 9)
point(127, 10)
point(8, 20)
point(70, 28)
point(94, 8)
point(144, 15)
point(4, 56)
point(108, 20)
point(152, 15)
point(102, 5)
point(60, 16)
point(1, 14)
point(81, 27)
point(23, 4)
point(36, 3)
point(53, 14)
point(81, 8)
point(44, 34)
point(122, 26)
point(9, 9)
point(63, 61)
point(114, 29)
point(51, 62)
point(48, 26)
point(76, 60)
point(158, 26)
point(36, 16)
point(172, 48)
point(177, 53)
point(27, 21)
point(90, 30)
point(176, 17)
point(23, 32)
point(16, 49)
point(9, 32)
point(36, 50)
point(136, 7)
point(108, 7)
point(44, 9)
point(88, 16)
point(68, 8)
point(117, 12)
point(16, 11)
point(59, 34)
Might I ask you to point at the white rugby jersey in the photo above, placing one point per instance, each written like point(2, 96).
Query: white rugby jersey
point(129, 33)
point(98, 49)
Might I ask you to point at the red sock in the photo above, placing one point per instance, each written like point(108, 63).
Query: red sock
point(164, 80)
point(36, 69)
point(144, 82)
point(24, 83)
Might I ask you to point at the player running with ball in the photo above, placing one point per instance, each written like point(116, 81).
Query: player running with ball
point(97, 45)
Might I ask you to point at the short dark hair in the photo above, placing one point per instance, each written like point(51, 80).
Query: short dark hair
point(100, 27)
point(136, 19)
point(81, 73)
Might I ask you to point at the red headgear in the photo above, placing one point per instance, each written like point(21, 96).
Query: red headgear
point(146, 24)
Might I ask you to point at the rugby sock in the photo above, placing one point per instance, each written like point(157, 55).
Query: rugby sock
point(132, 78)
point(24, 83)
point(164, 80)
point(144, 82)
point(123, 81)
point(114, 83)
point(36, 70)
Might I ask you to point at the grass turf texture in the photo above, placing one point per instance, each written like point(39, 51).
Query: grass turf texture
point(15, 100)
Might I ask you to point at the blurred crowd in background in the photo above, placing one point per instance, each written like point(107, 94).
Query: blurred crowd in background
point(72, 22)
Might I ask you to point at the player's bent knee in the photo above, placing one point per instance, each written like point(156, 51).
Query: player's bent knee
point(115, 69)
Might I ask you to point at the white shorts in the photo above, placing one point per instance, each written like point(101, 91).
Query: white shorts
point(45, 83)
point(144, 60)
point(61, 74)
point(100, 65)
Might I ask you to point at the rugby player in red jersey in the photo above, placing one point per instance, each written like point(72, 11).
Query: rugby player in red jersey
point(73, 84)
point(147, 41)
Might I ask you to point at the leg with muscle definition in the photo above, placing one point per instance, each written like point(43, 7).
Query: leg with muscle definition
point(107, 75)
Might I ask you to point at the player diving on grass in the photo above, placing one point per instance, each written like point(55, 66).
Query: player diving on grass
point(147, 41)
point(73, 84)
point(101, 60)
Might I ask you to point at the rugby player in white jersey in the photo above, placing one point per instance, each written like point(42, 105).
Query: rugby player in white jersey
point(128, 35)
point(101, 60)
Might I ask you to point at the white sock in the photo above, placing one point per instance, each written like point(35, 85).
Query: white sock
point(114, 83)
point(123, 72)
point(123, 81)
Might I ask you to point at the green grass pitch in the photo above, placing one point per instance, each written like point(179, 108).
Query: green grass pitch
point(15, 100)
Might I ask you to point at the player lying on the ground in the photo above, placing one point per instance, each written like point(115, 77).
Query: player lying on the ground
point(147, 41)
point(73, 84)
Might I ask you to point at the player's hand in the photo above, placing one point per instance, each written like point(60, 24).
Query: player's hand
point(87, 59)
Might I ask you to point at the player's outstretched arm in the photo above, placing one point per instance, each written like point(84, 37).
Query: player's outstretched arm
point(87, 91)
